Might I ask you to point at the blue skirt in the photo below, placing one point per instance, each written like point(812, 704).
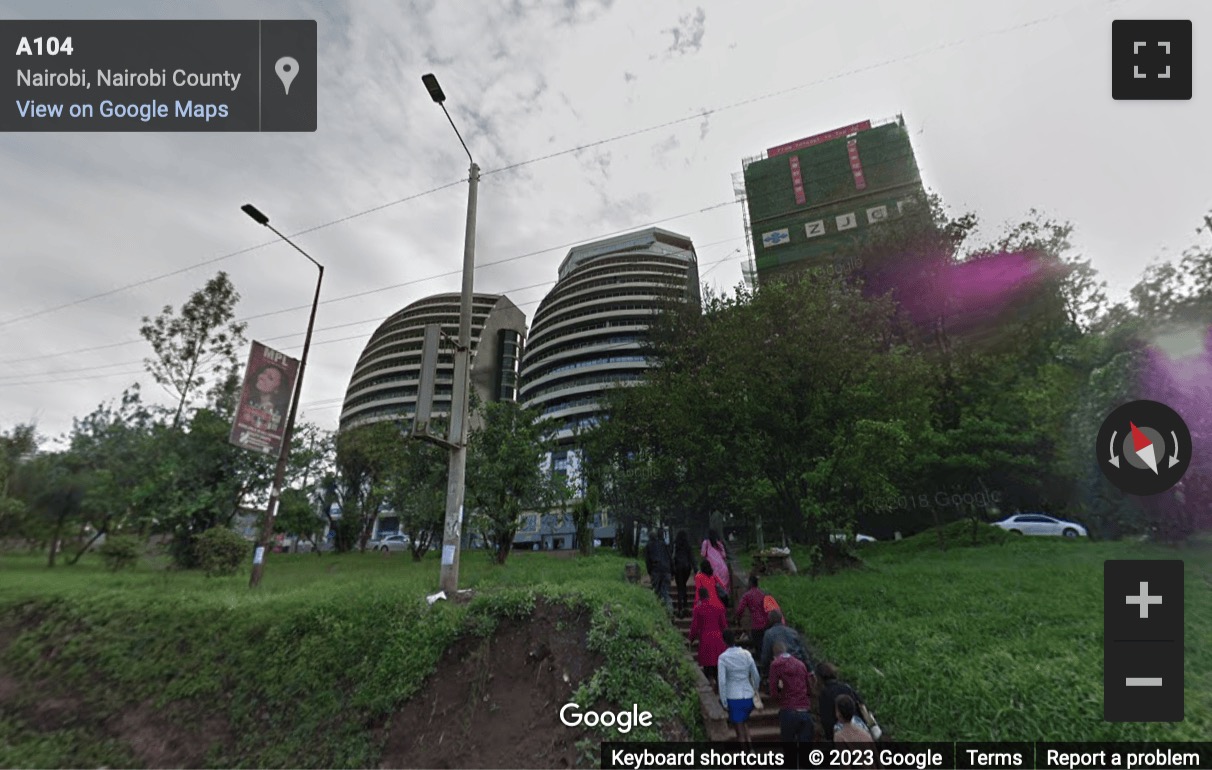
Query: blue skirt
point(739, 710)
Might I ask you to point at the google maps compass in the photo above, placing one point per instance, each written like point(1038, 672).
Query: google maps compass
point(1144, 447)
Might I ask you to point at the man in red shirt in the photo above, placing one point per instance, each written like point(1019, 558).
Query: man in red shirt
point(790, 685)
point(754, 600)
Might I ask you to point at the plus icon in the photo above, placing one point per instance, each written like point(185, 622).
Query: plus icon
point(1144, 600)
point(1151, 59)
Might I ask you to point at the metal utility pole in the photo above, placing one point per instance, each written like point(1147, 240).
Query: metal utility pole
point(271, 510)
point(455, 480)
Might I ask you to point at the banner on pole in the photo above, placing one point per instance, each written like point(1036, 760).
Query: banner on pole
point(269, 382)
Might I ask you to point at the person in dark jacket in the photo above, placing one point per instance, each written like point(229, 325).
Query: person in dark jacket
point(660, 566)
point(683, 566)
point(777, 631)
point(831, 689)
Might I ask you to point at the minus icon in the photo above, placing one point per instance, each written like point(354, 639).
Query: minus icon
point(1144, 681)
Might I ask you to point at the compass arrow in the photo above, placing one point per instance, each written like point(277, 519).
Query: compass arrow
point(1174, 457)
point(1143, 447)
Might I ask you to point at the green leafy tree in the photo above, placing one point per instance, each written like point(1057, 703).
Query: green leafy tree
point(504, 471)
point(17, 446)
point(52, 486)
point(301, 509)
point(203, 481)
point(196, 346)
point(415, 485)
point(776, 398)
point(299, 516)
point(365, 457)
point(1154, 345)
point(118, 448)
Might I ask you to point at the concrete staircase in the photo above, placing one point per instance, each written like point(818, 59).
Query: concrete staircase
point(763, 722)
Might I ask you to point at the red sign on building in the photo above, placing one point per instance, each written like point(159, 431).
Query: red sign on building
point(269, 382)
point(856, 165)
point(815, 139)
point(797, 181)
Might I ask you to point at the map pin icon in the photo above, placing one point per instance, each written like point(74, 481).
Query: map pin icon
point(287, 68)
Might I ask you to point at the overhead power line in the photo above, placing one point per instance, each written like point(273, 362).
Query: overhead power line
point(401, 285)
point(55, 376)
point(638, 132)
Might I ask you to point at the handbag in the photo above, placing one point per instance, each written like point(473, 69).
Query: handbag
point(872, 726)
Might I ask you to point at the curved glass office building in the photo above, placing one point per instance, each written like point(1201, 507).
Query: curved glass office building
point(385, 379)
point(587, 333)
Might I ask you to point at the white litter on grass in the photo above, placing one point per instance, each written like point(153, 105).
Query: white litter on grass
point(440, 595)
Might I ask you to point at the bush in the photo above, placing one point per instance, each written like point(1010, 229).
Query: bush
point(220, 551)
point(120, 552)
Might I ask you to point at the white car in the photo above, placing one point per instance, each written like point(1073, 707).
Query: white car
point(392, 543)
point(1039, 524)
point(841, 537)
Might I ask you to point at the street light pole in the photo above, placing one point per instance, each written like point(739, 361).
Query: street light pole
point(456, 475)
point(267, 525)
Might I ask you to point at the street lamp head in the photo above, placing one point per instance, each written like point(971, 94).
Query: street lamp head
point(257, 216)
point(435, 90)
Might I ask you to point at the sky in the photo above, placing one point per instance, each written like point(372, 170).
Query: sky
point(622, 113)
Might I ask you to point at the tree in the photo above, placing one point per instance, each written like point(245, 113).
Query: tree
point(203, 481)
point(17, 446)
point(311, 458)
point(415, 485)
point(504, 471)
point(299, 516)
point(118, 450)
point(1157, 345)
point(364, 458)
point(770, 405)
point(52, 488)
point(197, 346)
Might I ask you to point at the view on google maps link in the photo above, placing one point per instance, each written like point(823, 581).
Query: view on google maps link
point(606, 384)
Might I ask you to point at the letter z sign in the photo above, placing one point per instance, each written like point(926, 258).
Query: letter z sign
point(1150, 59)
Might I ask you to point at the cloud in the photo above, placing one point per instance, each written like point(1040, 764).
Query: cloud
point(630, 78)
point(662, 150)
point(688, 35)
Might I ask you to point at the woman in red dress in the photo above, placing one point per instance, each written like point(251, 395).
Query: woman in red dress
point(707, 624)
point(705, 579)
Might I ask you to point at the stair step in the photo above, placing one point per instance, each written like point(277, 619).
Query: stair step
point(765, 732)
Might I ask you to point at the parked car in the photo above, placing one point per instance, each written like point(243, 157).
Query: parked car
point(841, 537)
point(390, 543)
point(1040, 524)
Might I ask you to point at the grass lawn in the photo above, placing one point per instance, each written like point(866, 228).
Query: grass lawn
point(1000, 642)
point(303, 667)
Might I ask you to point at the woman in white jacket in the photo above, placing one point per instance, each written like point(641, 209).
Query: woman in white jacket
point(739, 681)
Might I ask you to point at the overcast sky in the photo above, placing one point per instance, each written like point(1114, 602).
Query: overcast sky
point(1008, 105)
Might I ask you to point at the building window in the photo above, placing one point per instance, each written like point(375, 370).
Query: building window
point(508, 349)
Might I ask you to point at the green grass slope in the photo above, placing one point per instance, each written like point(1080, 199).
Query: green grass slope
point(301, 670)
point(994, 642)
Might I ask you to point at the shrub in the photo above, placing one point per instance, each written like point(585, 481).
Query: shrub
point(220, 551)
point(120, 552)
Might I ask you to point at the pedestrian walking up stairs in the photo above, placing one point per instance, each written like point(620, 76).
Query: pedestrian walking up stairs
point(763, 722)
